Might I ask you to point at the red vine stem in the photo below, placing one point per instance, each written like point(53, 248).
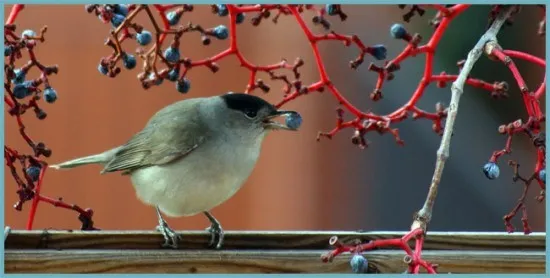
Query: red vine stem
point(36, 199)
point(15, 10)
point(30, 188)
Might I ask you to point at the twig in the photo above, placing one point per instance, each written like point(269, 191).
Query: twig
point(7, 231)
point(487, 42)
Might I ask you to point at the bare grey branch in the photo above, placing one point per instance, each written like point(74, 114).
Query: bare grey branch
point(423, 216)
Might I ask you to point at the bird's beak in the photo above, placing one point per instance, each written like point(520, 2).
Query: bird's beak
point(270, 124)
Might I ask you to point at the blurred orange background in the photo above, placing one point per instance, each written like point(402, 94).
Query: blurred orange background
point(298, 184)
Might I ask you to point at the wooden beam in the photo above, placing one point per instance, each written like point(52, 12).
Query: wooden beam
point(261, 252)
point(247, 261)
point(21, 239)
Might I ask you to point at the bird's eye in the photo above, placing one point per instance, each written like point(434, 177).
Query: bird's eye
point(250, 113)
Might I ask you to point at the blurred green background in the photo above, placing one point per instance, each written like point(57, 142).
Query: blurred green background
point(298, 183)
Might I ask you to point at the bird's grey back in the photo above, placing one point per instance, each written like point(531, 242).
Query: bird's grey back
point(171, 133)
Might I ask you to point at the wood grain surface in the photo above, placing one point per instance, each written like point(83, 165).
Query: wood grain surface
point(245, 240)
point(248, 261)
point(261, 252)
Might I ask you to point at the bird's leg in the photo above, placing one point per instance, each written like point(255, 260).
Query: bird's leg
point(215, 231)
point(170, 237)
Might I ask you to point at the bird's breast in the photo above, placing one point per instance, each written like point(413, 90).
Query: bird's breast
point(198, 182)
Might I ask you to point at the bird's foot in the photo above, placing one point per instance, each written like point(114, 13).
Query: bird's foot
point(216, 235)
point(171, 238)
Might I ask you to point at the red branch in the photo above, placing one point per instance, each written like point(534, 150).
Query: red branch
point(412, 258)
point(532, 128)
point(29, 182)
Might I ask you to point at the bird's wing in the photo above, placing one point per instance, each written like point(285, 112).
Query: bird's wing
point(169, 135)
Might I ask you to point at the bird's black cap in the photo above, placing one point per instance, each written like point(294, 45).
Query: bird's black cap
point(246, 102)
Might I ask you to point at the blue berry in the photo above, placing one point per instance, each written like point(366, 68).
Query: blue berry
point(183, 86)
point(379, 51)
point(491, 170)
point(221, 32)
point(19, 76)
point(33, 172)
point(397, 31)
point(240, 18)
point(121, 9)
point(50, 95)
point(172, 55)
point(173, 75)
point(117, 19)
point(173, 17)
point(152, 77)
point(129, 61)
point(222, 10)
point(21, 90)
point(28, 33)
point(102, 69)
point(542, 175)
point(293, 121)
point(358, 264)
point(144, 38)
point(331, 9)
point(8, 50)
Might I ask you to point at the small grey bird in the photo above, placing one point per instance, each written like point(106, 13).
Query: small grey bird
point(192, 156)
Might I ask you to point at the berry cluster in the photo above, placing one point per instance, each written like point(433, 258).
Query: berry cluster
point(121, 17)
point(175, 66)
point(22, 93)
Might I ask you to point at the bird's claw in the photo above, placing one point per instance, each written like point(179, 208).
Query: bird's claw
point(215, 231)
point(171, 238)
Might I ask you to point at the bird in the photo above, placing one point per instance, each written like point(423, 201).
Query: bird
point(192, 156)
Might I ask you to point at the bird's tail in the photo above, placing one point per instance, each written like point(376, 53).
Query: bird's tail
point(101, 158)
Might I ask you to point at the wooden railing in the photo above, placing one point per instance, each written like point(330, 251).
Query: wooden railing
point(261, 252)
